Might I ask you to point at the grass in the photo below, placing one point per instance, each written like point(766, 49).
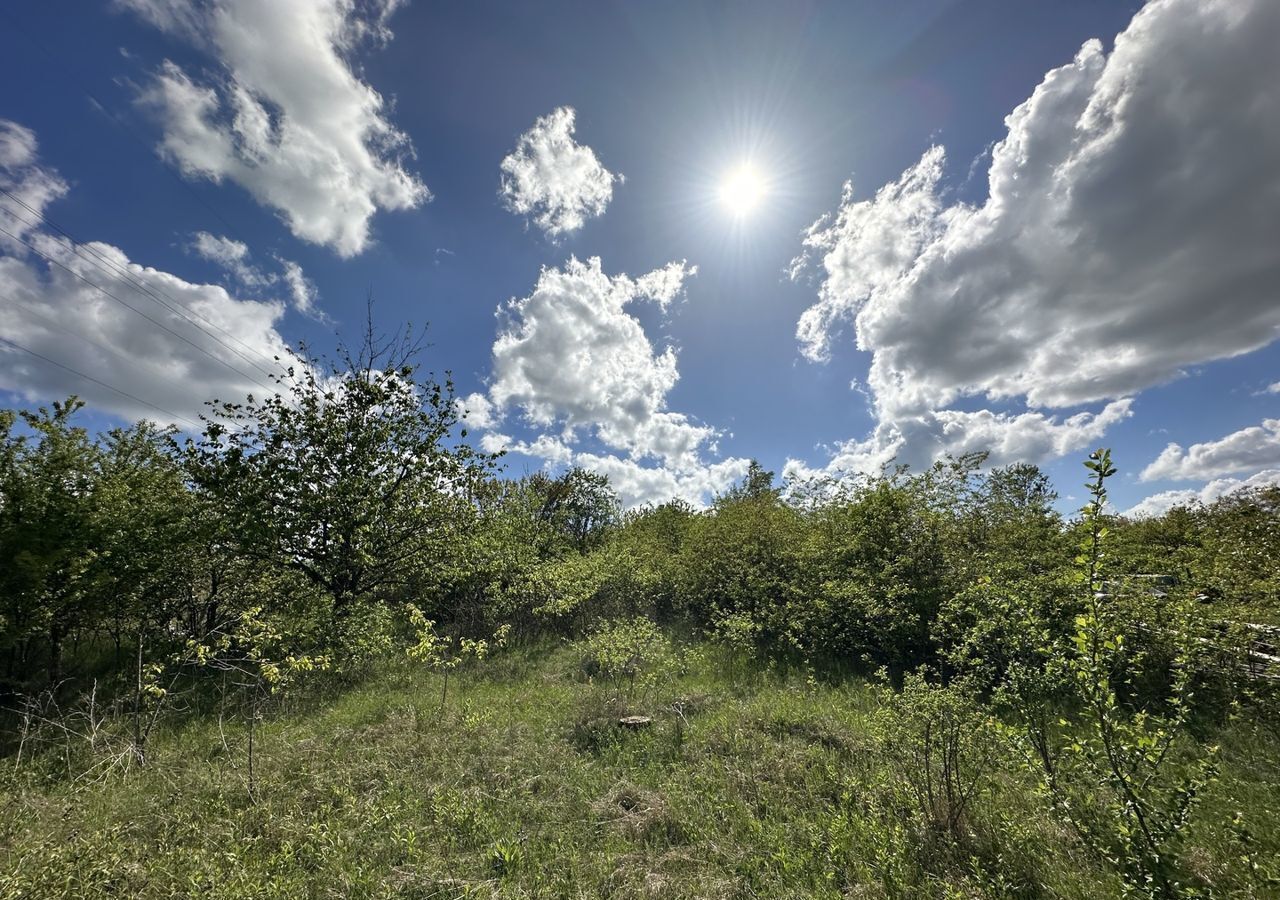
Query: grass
point(769, 784)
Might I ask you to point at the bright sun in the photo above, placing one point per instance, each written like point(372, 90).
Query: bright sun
point(742, 189)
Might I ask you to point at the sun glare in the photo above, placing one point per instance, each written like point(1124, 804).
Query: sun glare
point(742, 189)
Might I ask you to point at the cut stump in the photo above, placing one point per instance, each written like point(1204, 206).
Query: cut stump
point(635, 722)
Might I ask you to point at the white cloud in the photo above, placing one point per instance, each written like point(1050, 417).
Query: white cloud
point(1255, 447)
point(234, 257)
point(1273, 388)
point(286, 118)
point(302, 290)
point(30, 186)
point(546, 447)
point(60, 311)
point(555, 181)
point(917, 440)
point(637, 484)
point(570, 354)
point(575, 363)
point(1129, 231)
point(231, 255)
point(477, 410)
point(1159, 504)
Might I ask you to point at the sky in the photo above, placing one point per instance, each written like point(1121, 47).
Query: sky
point(660, 239)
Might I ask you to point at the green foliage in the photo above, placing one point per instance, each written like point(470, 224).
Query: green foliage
point(941, 748)
point(631, 655)
point(579, 506)
point(443, 653)
point(347, 476)
point(152, 589)
point(743, 559)
point(1125, 777)
point(874, 563)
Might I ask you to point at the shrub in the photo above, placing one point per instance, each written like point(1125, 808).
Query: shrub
point(1126, 777)
point(941, 747)
point(631, 655)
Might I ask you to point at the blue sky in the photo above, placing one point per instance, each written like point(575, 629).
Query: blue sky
point(1060, 229)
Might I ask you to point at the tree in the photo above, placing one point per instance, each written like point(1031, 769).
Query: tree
point(50, 476)
point(757, 484)
point(579, 504)
point(875, 574)
point(349, 474)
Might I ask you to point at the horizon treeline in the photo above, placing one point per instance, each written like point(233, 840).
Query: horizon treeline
point(351, 494)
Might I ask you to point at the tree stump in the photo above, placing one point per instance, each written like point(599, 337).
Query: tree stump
point(635, 722)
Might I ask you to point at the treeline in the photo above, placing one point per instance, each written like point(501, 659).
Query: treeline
point(330, 507)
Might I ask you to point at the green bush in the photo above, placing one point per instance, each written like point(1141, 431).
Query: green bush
point(941, 748)
point(630, 655)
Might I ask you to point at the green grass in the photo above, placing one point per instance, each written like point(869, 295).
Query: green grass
point(768, 785)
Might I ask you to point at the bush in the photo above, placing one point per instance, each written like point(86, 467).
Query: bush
point(941, 748)
point(631, 655)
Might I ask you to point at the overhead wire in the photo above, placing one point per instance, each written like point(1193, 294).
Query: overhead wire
point(176, 308)
point(52, 322)
point(157, 323)
point(61, 69)
point(98, 381)
point(163, 298)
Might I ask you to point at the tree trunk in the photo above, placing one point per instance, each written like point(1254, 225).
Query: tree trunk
point(56, 634)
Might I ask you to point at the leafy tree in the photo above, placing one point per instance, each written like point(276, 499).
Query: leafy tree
point(47, 534)
point(350, 474)
point(743, 558)
point(579, 504)
point(875, 569)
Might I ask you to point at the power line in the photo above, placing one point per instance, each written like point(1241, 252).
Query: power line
point(54, 323)
point(61, 67)
point(170, 303)
point(158, 324)
point(98, 381)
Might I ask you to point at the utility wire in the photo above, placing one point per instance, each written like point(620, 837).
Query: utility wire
point(155, 322)
point(98, 381)
point(54, 323)
point(60, 67)
point(173, 305)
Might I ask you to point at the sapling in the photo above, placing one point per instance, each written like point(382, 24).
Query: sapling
point(631, 652)
point(253, 651)
point(1107, 765)
point(443, 654)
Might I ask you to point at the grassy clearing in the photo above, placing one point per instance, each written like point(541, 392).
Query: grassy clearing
point(767, 784)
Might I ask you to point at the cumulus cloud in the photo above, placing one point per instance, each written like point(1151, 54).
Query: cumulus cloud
point(574, 363)
point(1128, 233)
point(637, 484)
point(1159, 504)
point(553, 180)
point(477, 411)
point(918, 440)
point(572, 356)
point(29, 186)
point(60, 325)
point(235, 259)
point(1249, 448)
point(285, 117)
